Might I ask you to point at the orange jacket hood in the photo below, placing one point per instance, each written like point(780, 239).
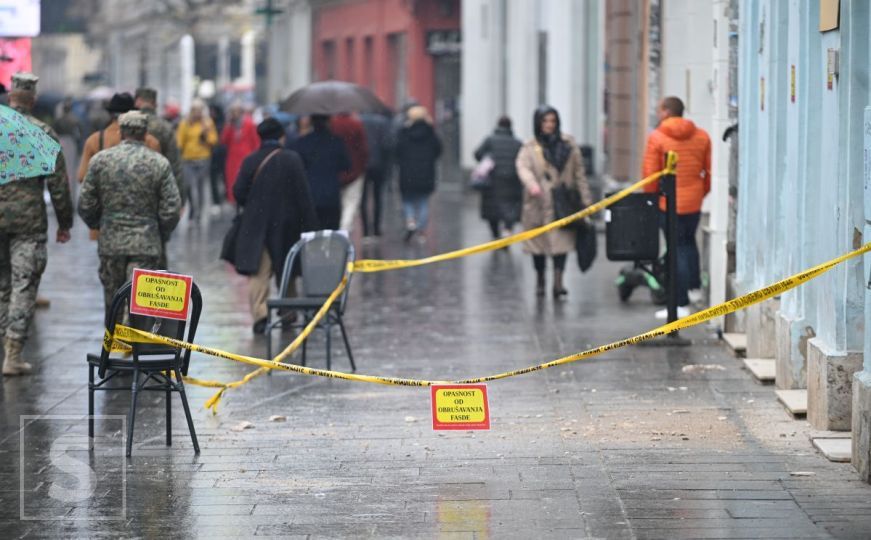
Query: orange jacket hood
point(677, 128)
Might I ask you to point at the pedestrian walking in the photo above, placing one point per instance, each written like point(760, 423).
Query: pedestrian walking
point(278, 207)
point(146, 103)
point(349, 128)
point(548, 160)
point(130, 195)
point(502, 198)
point(417, 150)
point(196, 136)
point(109, 136)
point(23, 228)
point(325, 158)
point(69, 129)
point(218, 161)
point(693, 182)
point(378, 140)
point(239, 139)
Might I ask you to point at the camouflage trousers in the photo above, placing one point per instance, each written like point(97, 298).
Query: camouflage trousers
point(22, 262)
point(116, 270)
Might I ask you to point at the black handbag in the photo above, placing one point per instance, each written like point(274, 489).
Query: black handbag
point(566, 201)
point(228, 246)
point(585, 244)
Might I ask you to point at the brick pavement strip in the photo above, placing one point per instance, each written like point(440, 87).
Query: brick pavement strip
point(590, 450)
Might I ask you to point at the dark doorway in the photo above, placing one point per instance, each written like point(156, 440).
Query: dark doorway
point(447, 113)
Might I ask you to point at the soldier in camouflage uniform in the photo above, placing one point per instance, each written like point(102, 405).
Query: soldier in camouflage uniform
point(146, 102)
point(129, 194)
point(23, 228)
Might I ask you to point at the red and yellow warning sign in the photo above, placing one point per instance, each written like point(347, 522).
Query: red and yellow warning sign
point(460, 406)
point(160, 294)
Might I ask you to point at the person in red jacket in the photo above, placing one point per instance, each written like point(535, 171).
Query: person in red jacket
point(240, 139)
point(349, 128)
point(693, 182)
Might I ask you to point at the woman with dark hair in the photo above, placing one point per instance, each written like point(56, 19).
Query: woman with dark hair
point(500, 201)
point(550, 159)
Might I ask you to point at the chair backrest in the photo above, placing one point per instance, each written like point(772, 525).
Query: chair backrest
point(323, 258)
point(165, 327)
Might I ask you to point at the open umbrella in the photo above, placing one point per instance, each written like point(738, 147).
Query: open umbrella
point(333, 97)
point(25, 150)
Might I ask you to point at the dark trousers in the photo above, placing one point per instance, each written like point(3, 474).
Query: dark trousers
point(374, 184)
point(216, 173)
point(688, 265)
point(539, 261)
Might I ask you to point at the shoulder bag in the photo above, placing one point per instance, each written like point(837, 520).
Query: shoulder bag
point(228, 247)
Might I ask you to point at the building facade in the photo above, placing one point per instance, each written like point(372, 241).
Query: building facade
point(404, 51)
point(803, 89)
point(519, 55)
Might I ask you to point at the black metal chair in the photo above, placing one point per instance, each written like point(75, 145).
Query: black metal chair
point(323, 258)
point(158, 363)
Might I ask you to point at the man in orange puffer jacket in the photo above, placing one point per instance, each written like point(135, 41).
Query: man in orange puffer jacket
point(693, 148)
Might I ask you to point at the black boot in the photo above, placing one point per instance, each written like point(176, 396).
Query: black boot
point(539, 284)
point(558, 289)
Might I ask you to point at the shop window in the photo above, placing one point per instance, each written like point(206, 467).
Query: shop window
point(368, 62)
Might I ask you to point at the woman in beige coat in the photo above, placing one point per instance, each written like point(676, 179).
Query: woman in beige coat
point(548, 160)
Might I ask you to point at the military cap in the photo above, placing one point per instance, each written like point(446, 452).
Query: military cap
point(24, 81)
point(149, 94)
point(133, 120)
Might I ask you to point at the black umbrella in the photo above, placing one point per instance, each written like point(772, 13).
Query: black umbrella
point(333, 97)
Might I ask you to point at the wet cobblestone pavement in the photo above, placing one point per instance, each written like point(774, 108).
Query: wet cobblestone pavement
point(626, 445)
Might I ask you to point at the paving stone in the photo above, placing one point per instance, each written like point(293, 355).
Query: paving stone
point(569, 454)
point(763, 369)
point(839, 450)
point(795, 401)
point(736, 342)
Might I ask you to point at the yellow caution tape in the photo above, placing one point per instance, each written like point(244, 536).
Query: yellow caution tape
point(378, 266)
point(126, 334)
point(369, 266)
point(373, 265)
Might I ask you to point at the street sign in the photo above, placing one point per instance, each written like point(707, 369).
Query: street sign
point(160, 294)
point(19, 18)
point(460, 407)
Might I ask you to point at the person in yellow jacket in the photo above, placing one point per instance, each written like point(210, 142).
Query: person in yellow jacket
point(196, 137)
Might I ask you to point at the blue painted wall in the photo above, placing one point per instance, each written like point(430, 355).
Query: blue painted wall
point(801, 167)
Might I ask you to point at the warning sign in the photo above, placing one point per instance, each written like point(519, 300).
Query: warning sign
point(160, 294)
point(460, 406)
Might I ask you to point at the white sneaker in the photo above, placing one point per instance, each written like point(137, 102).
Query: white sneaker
point(682, 311)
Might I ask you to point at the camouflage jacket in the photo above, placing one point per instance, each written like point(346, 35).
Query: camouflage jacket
point(22, 206)
point(130, 194)
point(163, 132)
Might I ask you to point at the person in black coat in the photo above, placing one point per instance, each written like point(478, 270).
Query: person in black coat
point(278, 208)
point(502, 200)
point(417, 150)
point(378, 139)
point(325, 157)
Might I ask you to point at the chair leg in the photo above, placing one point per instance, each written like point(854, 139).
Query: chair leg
point(91, 407)
point(168, 408)
point(305, 342)
point(187, 412)
point(328, 329)
point(131, 414)
point(347, 345)
point(268, 337)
